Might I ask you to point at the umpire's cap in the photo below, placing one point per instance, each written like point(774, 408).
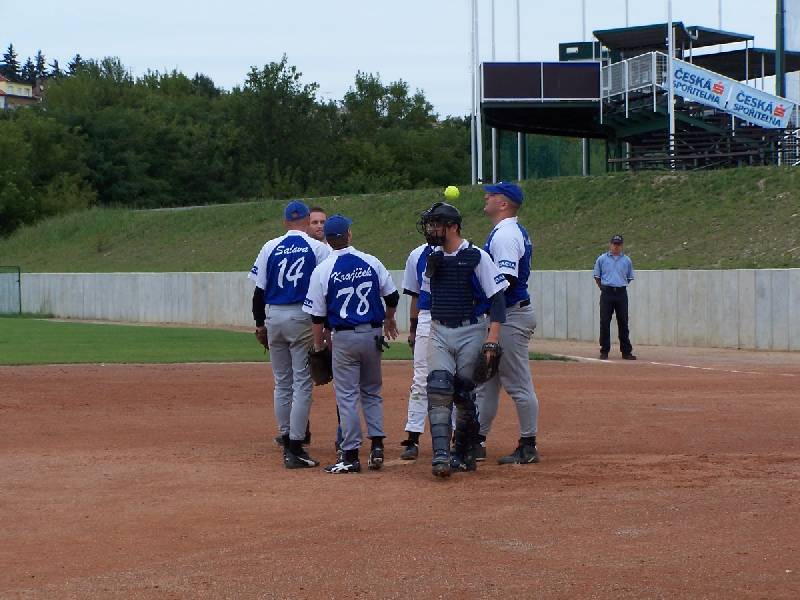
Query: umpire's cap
point(442, 212)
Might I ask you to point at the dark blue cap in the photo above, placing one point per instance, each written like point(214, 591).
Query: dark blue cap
point(295, 210)
point(617, 239)
point(510, 190)
point(336, 225)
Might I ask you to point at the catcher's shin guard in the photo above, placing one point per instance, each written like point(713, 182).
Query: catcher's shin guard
point(467, 426)
point(440, 402)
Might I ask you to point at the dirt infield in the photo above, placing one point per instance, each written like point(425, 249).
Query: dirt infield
point(656, 481)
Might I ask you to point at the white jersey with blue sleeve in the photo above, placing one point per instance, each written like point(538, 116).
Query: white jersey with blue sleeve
point(511, 250)
point(283, 267)
point(348, 288)
point(412, 277)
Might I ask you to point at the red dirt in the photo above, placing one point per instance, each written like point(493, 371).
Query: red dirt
point(162, 482)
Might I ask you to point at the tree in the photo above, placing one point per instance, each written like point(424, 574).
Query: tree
point(55, 69)
point(74, 65)
point(28, 72)
point(10, 68)
point(41, 65)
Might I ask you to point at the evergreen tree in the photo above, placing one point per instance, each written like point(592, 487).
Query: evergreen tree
point(10, 68)
point(28, 72)
point(55, 69)
point(74, 65)
point(41, 65)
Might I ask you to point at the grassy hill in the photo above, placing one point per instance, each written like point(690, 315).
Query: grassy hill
point(737, 218)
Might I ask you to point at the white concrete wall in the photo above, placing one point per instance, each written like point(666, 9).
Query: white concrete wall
point(730, 309)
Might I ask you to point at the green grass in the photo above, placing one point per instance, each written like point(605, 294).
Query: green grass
point(733, 218)
point(31, 341)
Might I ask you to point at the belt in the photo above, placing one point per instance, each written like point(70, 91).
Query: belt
point(521, 304)
point(611, 288)
point(359, 327)
point(455, 324)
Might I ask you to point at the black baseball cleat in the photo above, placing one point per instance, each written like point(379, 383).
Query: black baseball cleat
point(375, 460)
point(440, 465)
point(298, 460)
point(343, 466)
point(463, 462)
point(278, 441)
point(629, 357)
point(524, 454)
point(480, 452)
point(411, 452)
point(604, 356)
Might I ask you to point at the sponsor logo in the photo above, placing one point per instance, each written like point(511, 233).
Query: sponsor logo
point(254, 270)
point(499, 278)
point(779, 111)
point(357, 273)
point(718, 88)
point(507, 264)
point(307, 302)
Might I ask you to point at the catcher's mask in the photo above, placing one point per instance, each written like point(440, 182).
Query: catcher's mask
point(437, 216)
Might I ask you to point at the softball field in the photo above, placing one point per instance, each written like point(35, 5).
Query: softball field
point(677, 476)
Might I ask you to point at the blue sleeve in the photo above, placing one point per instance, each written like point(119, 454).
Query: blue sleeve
point(630, 270)
point(596, 272)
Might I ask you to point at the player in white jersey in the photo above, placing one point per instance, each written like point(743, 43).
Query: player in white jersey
point(420, 327)
point(511, 250)
point(281, 274)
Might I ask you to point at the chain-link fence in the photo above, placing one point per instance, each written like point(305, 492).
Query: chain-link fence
point(10, 291)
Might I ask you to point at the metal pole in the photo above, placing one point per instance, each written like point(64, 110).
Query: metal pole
point(473, 150)
point(780, 49)
point(671, 96)
point(627, 15)
point(719, 21)
point(478, 86)
point(494, 130)
point(584, 141)
point(520, 138)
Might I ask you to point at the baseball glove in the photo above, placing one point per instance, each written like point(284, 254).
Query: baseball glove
point(262, 337)
point(320, 363)
point(488, 362)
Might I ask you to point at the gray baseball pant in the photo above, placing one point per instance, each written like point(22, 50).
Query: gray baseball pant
point(290, 338)
point(455, 350)
point(357, 379)
point(514, 374)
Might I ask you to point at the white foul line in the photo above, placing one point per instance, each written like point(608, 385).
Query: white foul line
point(661, 364)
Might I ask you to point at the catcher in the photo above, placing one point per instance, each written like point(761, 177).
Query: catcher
point(464, 285)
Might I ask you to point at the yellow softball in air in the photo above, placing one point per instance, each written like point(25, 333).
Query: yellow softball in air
point(451, 192)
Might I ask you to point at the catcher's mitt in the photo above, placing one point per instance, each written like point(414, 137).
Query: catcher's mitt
point(488, 362)
point(320, 363)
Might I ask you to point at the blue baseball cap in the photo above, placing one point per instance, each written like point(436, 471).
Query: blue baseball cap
point(336, 225)
point(296, 210)
point(510, 190)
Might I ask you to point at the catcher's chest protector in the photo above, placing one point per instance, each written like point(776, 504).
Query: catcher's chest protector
point(452, 298)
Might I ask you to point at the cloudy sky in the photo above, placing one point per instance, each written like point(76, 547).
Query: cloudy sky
point(424, 42)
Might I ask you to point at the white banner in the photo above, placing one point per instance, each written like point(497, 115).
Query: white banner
point(759, 108)
point(744, 101)
point(701, 85)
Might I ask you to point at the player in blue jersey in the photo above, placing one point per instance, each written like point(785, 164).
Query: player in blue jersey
point(281, 273)
point(348, 290)
point(511, 250)
point(419, 334)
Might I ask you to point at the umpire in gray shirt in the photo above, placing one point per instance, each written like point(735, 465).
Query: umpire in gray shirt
point(613, 272)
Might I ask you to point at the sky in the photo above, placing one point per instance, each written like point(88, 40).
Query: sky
point(424, 42)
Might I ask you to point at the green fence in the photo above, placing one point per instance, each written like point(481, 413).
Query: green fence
point(10, 291)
